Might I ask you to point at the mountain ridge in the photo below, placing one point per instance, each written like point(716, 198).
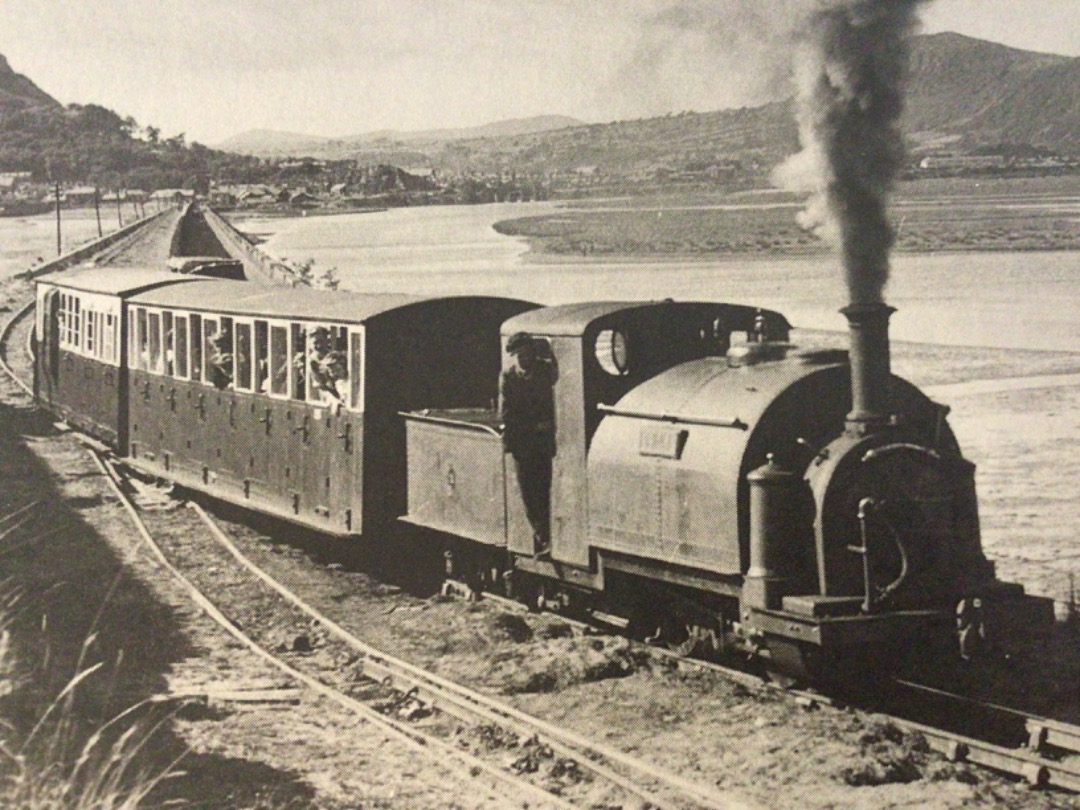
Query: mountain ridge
point(964, 93)
point(275, 141)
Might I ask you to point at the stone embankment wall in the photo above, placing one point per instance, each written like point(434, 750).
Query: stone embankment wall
point(90, 249)
point(258, 266)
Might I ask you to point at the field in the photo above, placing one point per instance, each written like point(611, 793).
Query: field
point(929, 215)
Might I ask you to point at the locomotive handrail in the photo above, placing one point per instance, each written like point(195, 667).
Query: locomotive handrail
point(710, 421)
point(442, 420)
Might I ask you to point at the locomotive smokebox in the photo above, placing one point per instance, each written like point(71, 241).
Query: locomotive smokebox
point(868, 327)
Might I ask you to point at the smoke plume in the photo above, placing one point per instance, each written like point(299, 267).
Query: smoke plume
point(850, 65)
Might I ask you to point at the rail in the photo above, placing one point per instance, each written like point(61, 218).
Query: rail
point(5, 337)
point(440, 752)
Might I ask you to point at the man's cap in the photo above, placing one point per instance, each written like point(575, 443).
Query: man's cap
point(518, 341)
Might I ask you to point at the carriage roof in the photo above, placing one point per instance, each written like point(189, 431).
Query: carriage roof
point(244, 299)
point(119, 281)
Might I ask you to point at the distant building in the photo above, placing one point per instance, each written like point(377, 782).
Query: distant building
point(10, 181)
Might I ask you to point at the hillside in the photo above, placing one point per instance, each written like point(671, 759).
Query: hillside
point(976, 93)
point(385, 144)
point(89, 143)
point(964, 93)
point(19, 93)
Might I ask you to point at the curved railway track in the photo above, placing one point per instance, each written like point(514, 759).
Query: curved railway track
point(378, 685)
point(1047, 755)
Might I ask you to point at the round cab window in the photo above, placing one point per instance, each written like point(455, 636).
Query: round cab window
point(612, 352)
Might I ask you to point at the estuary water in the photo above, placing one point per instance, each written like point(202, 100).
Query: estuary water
point(1025, 300)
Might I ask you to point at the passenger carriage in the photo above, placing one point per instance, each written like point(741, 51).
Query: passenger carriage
point(80, 374)
point(282, 400)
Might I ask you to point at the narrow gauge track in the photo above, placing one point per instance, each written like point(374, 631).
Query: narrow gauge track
point(597, 771)
point(1042, 751)
point(1043, 758)
point(14, 321)
point(369, 700)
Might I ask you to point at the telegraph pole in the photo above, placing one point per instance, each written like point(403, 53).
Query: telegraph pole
point(119, 213)
point(97, 209)
point(59, 243)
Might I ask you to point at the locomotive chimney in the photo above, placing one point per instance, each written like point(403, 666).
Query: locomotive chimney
point(868, 327)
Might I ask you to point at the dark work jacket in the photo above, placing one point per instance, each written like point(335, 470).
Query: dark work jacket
point(527, 409)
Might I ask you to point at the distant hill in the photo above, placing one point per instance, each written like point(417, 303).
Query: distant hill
point(971, 93)
point(963, 94)
point(18, 92)
point(89, 143)
point(271, 143)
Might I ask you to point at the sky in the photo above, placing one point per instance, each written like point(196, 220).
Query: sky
point(214, 68)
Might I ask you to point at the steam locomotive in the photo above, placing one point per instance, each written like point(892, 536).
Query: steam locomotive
point(713, 485)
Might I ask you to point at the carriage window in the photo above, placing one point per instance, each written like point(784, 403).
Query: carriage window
point(142, 342)
point(210, 328)
point(88, 342)
point(168, 341)
point(181, 347)
point(262, 355)
point(154, 333)
point(243, 356)
point(299, 361)
point(356, 370)
point(76, 323)
point(61, 318)
point(196, 347)
point(132, 343)
point(108, 338)
point(219, 354)
point(328, 369)
point(279, 360)
point(612, 351)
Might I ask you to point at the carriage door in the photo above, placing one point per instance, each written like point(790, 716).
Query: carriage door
point(50, 342)
point(347, 440)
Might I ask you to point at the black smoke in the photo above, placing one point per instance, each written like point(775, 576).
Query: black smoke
point(851, 61)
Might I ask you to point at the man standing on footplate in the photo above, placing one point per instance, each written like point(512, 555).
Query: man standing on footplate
point(527, 412)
